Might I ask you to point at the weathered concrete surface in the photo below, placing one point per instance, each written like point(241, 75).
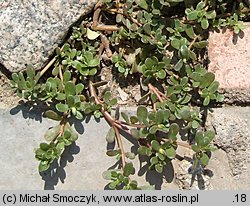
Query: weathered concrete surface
point(82, 165)
point(30, 30)
point(232, 125)
point(229, 56)
point(8, 98)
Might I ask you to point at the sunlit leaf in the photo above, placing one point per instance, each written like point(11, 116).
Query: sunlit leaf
point(155, 145)
point(62, 107)
point(92, 34)
point(170, 153)
point(204, 159)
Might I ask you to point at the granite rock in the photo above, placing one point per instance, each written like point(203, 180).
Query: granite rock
point(30, 30)
point(229, 56)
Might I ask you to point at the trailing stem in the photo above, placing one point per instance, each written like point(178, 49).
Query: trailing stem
point(114, 123)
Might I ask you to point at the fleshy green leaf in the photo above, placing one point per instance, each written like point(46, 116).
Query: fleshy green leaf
point(133, 119)
point(79, 88)
point(199, 138)
point(207, 79)
point(159, 116)
point(204, 159)
point(195, 124)
point(43, 166)
point(73, 137)
point(143, 4)
point(154, 160)
point(143, 150)
point(195, 148)
point(176, 43)
point(66, 76)
point(135, 133)
point(15, 77)
point(125, 117)
point(44, 146)
point(143, 132)
point(112, 102)
point(147, 28)
point(213, 87)
point(161, 74)
point(173, 131)
point(78, 115)
point(62, 107)
point(142, 113)
point(52, 133)
point(153, 129)
point(211, 14)
point(184, 52)
point(70, 88)
point(61, 96)
point(53, 115)
point(30, 72)
point(130, 155)
point(107, 96)
point(206, 101)
point(92, 72)
point(107, 175)
point(128, 169)
point(201, 44)
point(155, 145)
point(192, 55)
point(192, 15)
point(208, 137)
point(159, 168)
point(70, 101)
point(220, 98)
point(110, 137)
point(190, 31)
point(185, 114)
point(200, 5)
point(112, 153)
point(179, 65)
point(170, 153)
point(204, 23)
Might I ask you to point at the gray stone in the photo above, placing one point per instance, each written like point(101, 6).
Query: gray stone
point(30, 30)
point(215, 177)
point(81, 167)
point(232, 125)
point(187, 182)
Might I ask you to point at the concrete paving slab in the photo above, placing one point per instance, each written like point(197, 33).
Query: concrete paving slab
point(81, 167)
point(232, 126)
point(82, 164)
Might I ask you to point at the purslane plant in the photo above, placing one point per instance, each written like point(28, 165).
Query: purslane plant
point(161, 41)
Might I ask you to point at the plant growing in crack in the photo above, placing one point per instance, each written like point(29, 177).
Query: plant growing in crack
point(162, 42)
